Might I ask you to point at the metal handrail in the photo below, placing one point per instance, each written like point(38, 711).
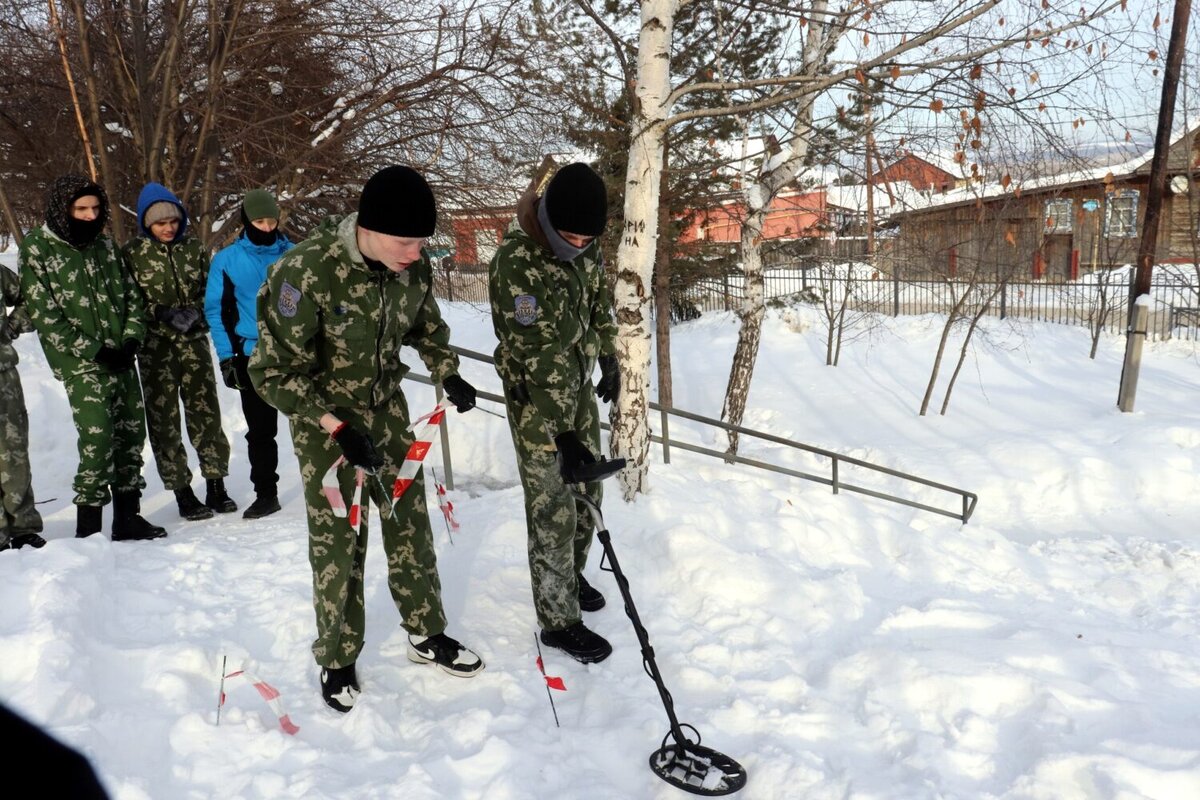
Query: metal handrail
point(969, 499)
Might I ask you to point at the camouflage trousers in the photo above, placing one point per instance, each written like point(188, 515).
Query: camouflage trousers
point(559, 526)
point(337, 552)
point(16, 487)
point(175, 369)
point(107, 409)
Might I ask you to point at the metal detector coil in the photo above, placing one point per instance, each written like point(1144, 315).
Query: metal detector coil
point(680, 761)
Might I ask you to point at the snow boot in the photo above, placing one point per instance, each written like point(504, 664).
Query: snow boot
point(190, 507)
point(88, 520)
point(445, 653)
point(129, 525)
point(28, 540)
point(263, 505)
point(590, 598)
point(339, 687)
point(216, 498)
point(581, 644)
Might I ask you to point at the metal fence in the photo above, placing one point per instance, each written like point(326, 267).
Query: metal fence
point(1101, 300)
point(1174, 311)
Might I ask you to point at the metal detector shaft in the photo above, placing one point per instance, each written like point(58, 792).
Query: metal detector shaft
point(631, 611)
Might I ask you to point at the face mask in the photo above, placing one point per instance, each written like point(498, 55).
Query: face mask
point(561, 247)
point(260, 238)
point(82, 232)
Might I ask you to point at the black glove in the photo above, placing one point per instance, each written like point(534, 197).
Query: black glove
point(358, 448)
point(461, 393)
point(112, 358)
point(129, 349)
point(609, 387)
point(231, 374)
point(180, 319)
point(572, 454)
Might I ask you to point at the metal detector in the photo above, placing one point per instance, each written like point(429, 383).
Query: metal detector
point(683, 763)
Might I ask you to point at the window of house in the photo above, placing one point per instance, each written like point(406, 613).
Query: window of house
point(1120, 218)
point(485, 245)
point(1060, 215)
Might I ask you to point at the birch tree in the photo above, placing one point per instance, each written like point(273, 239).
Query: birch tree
point(881, 41)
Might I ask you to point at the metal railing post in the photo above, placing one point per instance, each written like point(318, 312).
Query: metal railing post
point(666, 435)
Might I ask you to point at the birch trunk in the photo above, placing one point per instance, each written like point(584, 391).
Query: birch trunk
point(635, 255)
point(778, 170)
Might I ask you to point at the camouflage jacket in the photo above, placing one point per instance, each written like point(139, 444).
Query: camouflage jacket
point(330, 328)
point(553, 318)
point(12, 324)
point(78, 300)
point(172, 275)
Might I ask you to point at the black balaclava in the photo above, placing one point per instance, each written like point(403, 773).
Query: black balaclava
point(63, 193)
point(576, 200)
point(260, 238)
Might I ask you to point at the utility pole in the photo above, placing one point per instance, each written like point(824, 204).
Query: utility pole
point(1135, 334)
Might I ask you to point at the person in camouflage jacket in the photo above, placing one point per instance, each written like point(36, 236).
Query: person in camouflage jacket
point(552, 314)
point(175, 360)
point(332, 317)
point(90, 321)
point(20, 522)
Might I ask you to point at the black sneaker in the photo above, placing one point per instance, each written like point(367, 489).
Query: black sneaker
point(583, 645)
point(590, 598)
point(190, 507)
point(28, 540)
point(263, 505)
point(339, 687)
point(445, 653)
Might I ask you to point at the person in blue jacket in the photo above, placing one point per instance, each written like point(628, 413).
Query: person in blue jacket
point(234, 278)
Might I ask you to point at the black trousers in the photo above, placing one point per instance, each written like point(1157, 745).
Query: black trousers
point(262, 423)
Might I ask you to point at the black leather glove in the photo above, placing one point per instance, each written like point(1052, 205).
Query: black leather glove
point(191, 319)
point(358, 448)
point(461, 393)
point(231, 374)
point(572, 454)
point(609, 387)
point(112, 358)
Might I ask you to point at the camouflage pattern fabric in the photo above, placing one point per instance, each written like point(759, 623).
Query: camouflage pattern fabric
point(330, 331)
point(107, 409)
point(560, 528)
point(80, 300)
point(337, 554)
point(18, 514)
point(177, 365)
point(172, 275)
point(175, 369)
point(553, 319)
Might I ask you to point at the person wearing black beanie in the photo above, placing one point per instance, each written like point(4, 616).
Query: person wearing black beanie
point(553, 318)
point(331, 320)
point(91, 320)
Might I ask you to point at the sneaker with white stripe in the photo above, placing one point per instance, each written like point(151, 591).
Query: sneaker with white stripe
point(445, 653)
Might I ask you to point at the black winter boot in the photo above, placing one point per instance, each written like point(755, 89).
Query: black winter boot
point(339, 687)
point(88, 520)
point(29, 539)
point(580, 643)
point(217, 498)
point(128, 525)
point(263, 505)
point(590, 598)
point(190, 506)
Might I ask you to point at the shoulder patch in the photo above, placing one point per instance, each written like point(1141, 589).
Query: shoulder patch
point(525, 309)
point(289, 296)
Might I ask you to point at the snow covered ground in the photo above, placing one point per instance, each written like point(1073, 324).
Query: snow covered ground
point(838, 646)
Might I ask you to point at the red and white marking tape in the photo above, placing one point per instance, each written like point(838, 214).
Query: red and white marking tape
point(268, 693)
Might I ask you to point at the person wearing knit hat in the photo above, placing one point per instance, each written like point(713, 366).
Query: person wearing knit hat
point(332, 319)
point(171, 268)
point(90, 319)
point(237, 273)
point(553, 319)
